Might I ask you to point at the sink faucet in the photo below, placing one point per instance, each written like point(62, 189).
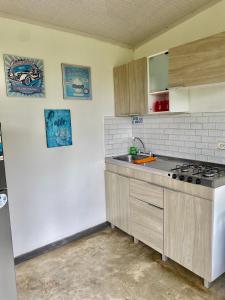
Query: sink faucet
point(140, 141)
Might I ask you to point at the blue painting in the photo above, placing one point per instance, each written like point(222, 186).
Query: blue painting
point(76, 82)
point(58, 127)
point(24, 76)
point(1, 149)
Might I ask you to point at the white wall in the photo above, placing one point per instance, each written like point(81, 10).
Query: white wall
point(55, 192)
point(206, 23)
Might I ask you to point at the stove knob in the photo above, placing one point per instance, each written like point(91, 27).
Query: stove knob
point(189, 179)
point(198, 181)
point(174, 176)
point(181, 177)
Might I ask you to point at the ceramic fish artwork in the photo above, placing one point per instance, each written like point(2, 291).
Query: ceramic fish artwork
point(58, 127)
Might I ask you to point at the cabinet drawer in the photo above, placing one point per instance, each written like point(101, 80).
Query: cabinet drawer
point(146, 223)
point(146, 192)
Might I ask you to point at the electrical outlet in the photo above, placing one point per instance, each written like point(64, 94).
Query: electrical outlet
point(221, 145)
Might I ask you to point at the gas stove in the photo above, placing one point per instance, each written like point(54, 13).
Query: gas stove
point(207, 174)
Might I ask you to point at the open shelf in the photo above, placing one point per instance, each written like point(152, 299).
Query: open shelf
point(161, 98)
point(156, 100)
point(155, 113)
point(159, 92)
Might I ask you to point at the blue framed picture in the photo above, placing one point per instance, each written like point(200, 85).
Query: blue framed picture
point(24, 76)
point(58, 127)
point(76, 82)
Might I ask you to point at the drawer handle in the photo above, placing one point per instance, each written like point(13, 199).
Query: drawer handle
point(153, 205)
point(150, 204)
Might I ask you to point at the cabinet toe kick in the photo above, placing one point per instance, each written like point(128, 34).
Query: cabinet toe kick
point(207, 284)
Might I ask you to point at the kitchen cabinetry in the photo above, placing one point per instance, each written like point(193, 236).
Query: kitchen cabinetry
point(137, 78)
point(130, 88)
point(146, 192)
point(121, 90)
point(199, 62)
point(183, 221)
point(146, 213)
point(117, 200)
point(146, 223)
point(188, 231)
point(161, 99)
point(158, 72)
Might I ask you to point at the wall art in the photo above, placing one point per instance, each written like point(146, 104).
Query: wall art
point(24, 76)
point(58, 127)
point(76, 82)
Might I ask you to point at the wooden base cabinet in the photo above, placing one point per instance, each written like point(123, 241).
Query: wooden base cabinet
point(146, 213)
point(146, 223)
point(188, 228)
point(117, 200)
point(188, 232)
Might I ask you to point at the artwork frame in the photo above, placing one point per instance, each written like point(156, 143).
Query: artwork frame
point(77, 82)
point(24, 76)
point(58, 127)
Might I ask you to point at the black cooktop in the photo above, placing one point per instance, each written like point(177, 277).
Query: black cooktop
point(197, 172)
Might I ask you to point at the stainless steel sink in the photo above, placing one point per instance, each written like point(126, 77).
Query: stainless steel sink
point(129, 158)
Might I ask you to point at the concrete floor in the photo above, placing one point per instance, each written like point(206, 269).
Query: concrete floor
point(108, 266)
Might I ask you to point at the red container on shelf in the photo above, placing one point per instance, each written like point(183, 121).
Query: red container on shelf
point(165, 105)
point(157, 106)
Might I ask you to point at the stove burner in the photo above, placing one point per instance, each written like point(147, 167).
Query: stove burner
point(185, 168)
point(208, 174)
point(199, 173)
point(211, 172)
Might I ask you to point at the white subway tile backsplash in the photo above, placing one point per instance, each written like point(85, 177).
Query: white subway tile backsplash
point(202, 132)
point(208, 151)
point(196, 126)
point(117, 134)
point(209, 126)
point(193, 136)
point(220, 126)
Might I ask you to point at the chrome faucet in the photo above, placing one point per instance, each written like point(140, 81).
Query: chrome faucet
point(135, 138)
point(142, 144)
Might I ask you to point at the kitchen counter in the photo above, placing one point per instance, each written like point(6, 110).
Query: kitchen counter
point(156, 172)
point(183, 221)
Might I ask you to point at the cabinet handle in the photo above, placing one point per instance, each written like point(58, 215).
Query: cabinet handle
point(148, 203)
point(154, 205)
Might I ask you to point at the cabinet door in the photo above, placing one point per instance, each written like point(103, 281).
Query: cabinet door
point(158, 72)
point(121, 91)
point(117, 200)
point(188, 231)
point(137, 75)
point(199, 62)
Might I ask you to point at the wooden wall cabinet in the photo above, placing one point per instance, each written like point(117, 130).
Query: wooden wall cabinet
point(188, 231)
point(138, 94)
point(117, 200)
point(199, 62)
point(158, 72)
point(121, 90)
point(130, 88)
